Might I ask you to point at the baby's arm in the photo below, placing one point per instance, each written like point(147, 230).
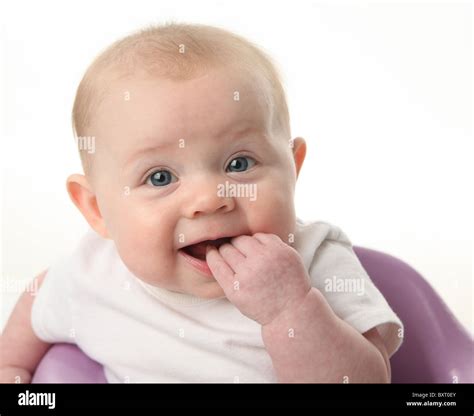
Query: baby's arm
point(309, 343)
point(20, 349)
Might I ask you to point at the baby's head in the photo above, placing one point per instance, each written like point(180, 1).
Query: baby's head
point(191, 143)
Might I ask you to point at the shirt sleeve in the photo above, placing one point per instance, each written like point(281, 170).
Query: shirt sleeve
point(51, 316)
point(337, 272)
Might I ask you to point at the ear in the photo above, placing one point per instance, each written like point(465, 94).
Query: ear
point(299, 153)
point(84, 198)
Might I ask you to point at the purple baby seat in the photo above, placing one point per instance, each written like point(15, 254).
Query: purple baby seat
point(436, 348)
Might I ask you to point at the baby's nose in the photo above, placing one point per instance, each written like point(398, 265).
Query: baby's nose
point(206, 199)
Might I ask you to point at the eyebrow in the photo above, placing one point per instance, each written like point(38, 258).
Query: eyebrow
point(232, 132)
point(144, 151)
point(237, 133)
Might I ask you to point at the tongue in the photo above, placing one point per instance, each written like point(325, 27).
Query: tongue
point(198, 250)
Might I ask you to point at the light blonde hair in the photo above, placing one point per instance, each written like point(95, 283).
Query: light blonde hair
point(177, 51)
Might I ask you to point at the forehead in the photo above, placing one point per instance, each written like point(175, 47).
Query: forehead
point(139, 110)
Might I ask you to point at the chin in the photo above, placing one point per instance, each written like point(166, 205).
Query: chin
point(210, 290)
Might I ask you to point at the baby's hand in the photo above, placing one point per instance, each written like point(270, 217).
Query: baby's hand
point(261, 275)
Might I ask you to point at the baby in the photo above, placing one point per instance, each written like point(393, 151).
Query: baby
point(196, 268)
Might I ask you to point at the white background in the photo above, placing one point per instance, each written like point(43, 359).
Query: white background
point(382, 92)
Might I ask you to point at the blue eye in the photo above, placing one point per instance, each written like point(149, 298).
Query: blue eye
point(240, 164)
point(160, 178)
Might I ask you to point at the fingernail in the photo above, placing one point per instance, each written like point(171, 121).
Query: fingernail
point(209, 248)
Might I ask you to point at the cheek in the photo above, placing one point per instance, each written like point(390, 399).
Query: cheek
point(141, 220)
point(143, 232)
point(273, 210)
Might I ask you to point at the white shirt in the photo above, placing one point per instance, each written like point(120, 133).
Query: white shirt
point(142, 333)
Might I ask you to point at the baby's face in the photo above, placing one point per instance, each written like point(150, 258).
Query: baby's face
point(169, 157)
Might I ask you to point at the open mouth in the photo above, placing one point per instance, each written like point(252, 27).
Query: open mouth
point(198, 250)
